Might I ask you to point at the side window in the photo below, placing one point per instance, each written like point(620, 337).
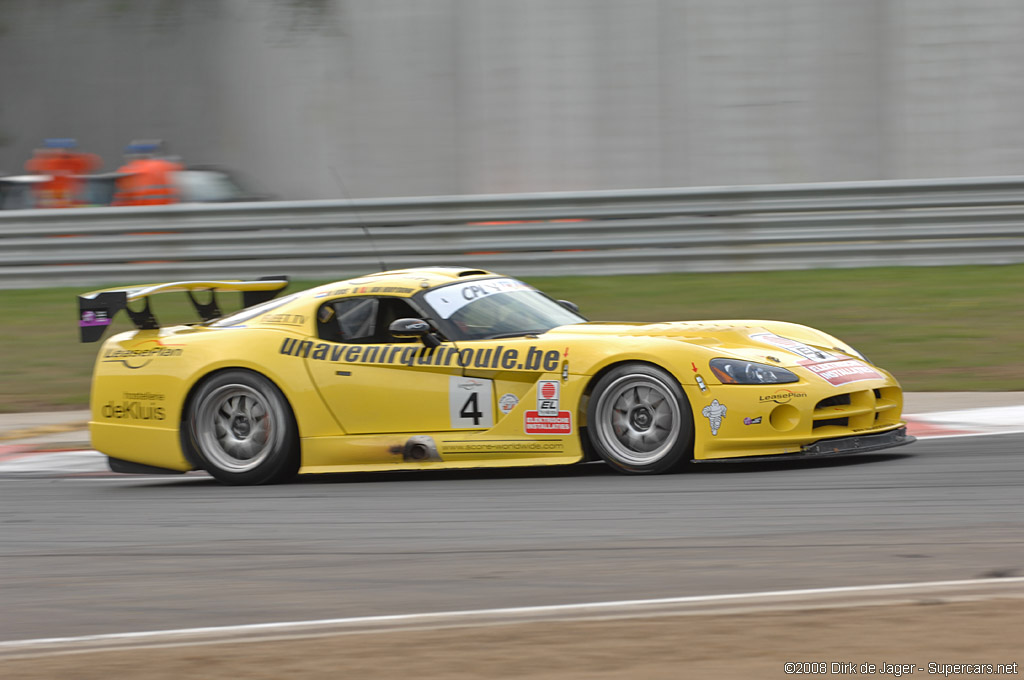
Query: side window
point(356, 318)
point(362, 320)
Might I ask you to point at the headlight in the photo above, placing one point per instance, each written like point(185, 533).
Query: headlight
point(738, 372)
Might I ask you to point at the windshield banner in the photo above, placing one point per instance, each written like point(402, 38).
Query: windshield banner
point(450, 299)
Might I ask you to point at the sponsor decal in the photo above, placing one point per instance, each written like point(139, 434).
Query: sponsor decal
point(507, 402)
point(284, 319)
point(782, 396)
point(507, 358)
point(714, 412)
point(97, 317)
point(547, 397)
point(143, 396)
point(535, 423)
point(450, 299)
point(701, 385)
point(469, 403)
point(752, 421)
point(842, 372)
point(369, 290)
point(553, 446)
point(794, 346)
point(137, 357)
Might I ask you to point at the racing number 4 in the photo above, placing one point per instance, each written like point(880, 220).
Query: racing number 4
point(471, 409)
point(470, 403)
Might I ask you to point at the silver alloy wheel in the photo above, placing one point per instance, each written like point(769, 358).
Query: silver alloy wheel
point(638, 419)
point(235, 427)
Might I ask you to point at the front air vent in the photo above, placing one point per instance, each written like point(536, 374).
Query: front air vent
point(858, 411)
point(838, 422)
point(837, 400)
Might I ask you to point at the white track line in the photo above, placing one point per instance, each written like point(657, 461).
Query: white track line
point(967, 434)
point(779, 599)
point(993, 416)
point(70, 462)
point(972, 422)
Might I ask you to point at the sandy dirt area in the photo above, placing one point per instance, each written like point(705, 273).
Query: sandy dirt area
point(732, 646)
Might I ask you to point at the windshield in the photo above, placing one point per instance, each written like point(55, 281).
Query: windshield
point(494, 308)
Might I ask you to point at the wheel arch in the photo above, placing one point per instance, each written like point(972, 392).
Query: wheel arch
point(191, 455)
point(589, 454)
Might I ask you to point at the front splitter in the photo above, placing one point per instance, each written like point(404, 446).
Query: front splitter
point(830, 447)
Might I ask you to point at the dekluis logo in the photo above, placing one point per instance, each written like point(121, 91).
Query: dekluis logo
point(133, 410)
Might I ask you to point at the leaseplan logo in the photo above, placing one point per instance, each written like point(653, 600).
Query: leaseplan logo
point(141, 355)
point(783, 396)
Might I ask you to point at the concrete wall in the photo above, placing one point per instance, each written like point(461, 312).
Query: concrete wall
point(414, 97)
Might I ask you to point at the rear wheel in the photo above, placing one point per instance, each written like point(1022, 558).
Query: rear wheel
point(242, 429)
point(639, 420)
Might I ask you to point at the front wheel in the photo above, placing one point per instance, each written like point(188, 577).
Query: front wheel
point(242, 429)
point(639, 420)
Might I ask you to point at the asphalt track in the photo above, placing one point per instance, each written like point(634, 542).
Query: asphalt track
point(94, 555)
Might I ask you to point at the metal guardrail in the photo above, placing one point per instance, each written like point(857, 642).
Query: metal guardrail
point(772, 227)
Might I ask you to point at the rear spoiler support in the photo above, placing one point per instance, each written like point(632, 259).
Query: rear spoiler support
point(252, 297)
point(143, 319)
point(97, 310)
point(207, 311)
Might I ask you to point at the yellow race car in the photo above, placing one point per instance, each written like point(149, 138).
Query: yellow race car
point(449, 367)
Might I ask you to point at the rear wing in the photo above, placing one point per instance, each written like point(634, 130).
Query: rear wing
point(96, 310)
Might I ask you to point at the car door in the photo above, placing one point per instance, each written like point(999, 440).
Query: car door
point(523, 367)
point(375, 383)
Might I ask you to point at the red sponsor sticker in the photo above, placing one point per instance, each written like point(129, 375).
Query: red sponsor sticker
point(842, 372)
point(534, 423)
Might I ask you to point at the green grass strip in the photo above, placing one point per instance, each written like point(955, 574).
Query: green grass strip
point(936, 328)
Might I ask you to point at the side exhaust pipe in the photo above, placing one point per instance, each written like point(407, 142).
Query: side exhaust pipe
point(420, 448)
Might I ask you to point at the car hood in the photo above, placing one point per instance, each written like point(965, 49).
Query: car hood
point(788, 344)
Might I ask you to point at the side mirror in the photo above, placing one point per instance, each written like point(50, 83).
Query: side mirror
point(414, 328)
point(571, 306)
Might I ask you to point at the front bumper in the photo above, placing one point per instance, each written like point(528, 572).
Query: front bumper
point(832, 447)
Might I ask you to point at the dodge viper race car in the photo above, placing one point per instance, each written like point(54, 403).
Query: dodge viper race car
point(449, 367)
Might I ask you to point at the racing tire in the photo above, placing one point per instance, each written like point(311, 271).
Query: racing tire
point(639, 420)
point(242, 430)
